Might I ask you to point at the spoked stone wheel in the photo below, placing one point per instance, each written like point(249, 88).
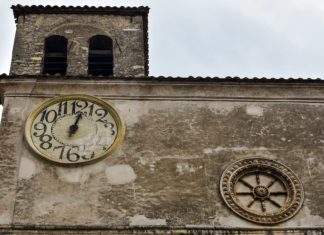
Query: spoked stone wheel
point(261, 190)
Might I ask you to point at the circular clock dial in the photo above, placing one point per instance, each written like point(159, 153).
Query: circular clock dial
point(74, 129)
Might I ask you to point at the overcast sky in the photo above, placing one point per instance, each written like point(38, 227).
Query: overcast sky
point(271, 38)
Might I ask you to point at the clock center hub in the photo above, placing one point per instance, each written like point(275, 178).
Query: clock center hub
point(84, 132)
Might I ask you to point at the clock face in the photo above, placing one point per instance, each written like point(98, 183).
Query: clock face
point(74, 129)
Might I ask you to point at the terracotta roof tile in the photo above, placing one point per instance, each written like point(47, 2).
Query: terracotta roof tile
point(171, 79)
point(39, 9)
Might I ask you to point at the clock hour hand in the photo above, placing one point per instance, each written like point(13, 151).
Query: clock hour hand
point(73, 128)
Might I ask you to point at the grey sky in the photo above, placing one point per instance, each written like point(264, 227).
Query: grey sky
point(272, 38)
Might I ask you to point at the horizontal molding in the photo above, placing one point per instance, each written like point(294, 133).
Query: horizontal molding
point(159, 227)
point(288, 84)
point(184, 98)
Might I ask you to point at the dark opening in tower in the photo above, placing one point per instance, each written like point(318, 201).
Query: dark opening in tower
point(100, 56)
point(55, 59)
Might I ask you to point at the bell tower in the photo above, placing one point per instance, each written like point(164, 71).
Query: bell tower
point(80, 41)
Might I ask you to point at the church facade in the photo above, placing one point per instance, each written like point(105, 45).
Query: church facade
point(91, 144)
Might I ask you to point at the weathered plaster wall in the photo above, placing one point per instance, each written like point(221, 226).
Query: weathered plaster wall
point(177, 144)
point(11, 141)
point(125, 31)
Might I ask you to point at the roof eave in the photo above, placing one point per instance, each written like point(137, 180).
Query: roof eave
point(19, 10)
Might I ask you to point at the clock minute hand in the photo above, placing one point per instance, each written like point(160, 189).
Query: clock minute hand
point(73, 128)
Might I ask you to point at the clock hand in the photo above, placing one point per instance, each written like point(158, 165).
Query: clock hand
point(73, 128)
point(78, 118)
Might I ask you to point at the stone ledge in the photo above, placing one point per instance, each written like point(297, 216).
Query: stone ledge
point(194, 229)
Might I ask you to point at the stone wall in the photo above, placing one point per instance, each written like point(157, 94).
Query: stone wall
point(180, 137)
point(125, 31)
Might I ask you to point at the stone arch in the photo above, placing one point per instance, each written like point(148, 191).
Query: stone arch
point(66, 28)
point(100, 56)
point(55, 55)
point(78, 36)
